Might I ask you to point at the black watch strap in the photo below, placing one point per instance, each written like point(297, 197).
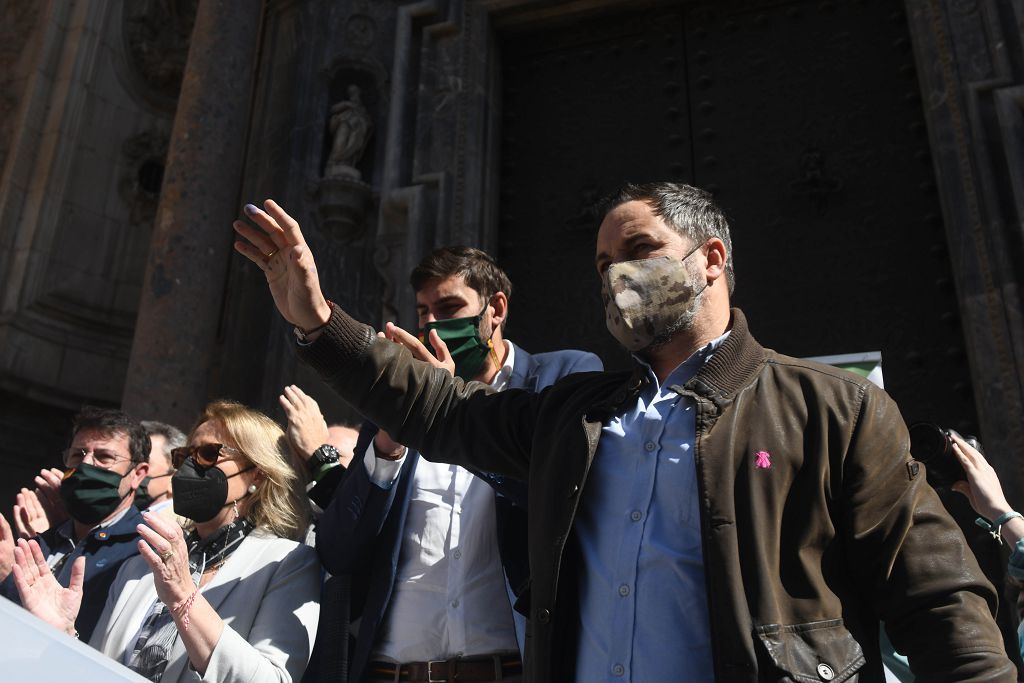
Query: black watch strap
point(324, 455)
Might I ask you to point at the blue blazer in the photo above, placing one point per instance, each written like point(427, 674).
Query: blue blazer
point(360, 533)
point(105, 550)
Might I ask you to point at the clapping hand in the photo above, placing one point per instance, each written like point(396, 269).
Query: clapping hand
point(6, 548)
point(281, 252)
point(163, 548)
point(30, 517)
point(48, 492)
point(40, 592)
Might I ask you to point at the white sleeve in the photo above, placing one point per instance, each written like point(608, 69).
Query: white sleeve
point(383, 473)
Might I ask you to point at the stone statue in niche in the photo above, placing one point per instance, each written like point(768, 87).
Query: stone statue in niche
point(343, 196)
point(350, 129)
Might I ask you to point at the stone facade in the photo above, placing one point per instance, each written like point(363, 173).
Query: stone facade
point(82, 145)
point(87, 115)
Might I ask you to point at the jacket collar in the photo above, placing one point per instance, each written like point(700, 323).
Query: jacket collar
point(726, 372)
point(731, 366)
point(523, 374)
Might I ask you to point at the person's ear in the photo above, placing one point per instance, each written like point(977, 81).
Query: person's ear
point(716, 256)
point(499, 307)
point(138, 474)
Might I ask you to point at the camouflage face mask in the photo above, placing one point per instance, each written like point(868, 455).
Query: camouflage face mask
point(645, 301)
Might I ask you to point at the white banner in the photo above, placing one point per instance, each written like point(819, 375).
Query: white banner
point(32, 651)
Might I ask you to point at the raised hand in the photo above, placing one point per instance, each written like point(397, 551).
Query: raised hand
point(6, 548)
point(163, 548)
point(30, 518)
point(385, 446)
point(48, 492)
point(281, 252)
point(307, 428)
point(41, 594)
point(443, 359)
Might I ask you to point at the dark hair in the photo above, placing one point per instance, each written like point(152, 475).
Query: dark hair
point(109, 421)
point(173, 437)
point(688, 210)
point(476, 267)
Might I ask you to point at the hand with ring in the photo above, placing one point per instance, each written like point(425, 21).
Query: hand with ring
point(163, 547)
point(278, 248)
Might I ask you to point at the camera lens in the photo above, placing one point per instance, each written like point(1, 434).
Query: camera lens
point(928, 441)
point(932, 445)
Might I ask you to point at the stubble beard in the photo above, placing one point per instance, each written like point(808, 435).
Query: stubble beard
point(684, 323)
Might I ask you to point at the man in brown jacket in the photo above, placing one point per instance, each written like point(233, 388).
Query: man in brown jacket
point(720, 512)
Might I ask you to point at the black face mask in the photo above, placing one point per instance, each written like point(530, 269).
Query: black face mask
point(199, 493)
point(143, 499)
point(91, 493)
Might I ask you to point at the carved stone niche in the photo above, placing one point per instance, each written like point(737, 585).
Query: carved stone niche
point(348, 155)
point(142, 161)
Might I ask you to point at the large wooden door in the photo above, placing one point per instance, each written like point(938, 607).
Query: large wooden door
point(804, 118)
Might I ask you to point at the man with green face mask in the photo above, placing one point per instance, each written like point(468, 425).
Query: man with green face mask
point(105, 463)
point(155, 493)
point(448, 546)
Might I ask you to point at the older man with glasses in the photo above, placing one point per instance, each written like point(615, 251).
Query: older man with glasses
point(106, 462)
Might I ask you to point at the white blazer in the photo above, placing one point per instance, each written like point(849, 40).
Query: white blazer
point(270, 619)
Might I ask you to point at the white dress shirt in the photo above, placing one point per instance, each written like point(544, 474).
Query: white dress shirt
point(449, 598)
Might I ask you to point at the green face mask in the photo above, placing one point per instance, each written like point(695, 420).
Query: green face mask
point(462, 336)
point(90, 493)
point(143, 498)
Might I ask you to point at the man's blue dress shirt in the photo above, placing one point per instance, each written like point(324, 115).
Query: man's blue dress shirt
point(643, 602)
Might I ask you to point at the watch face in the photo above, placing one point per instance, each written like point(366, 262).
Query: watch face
point(325, 455)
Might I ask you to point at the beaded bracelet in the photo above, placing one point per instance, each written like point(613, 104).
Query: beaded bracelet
point(183, 608)
point(994, 527)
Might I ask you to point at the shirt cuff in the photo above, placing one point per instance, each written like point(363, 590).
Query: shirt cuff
point(383, 473)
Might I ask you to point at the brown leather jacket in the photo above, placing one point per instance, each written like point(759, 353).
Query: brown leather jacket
point(802, 558)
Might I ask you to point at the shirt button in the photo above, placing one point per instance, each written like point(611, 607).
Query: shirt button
point(455, 603)
point(636, 515)
point(623, 590)
point(649, 446)
point(618, 670)
point(457, 554)
point(825, 672)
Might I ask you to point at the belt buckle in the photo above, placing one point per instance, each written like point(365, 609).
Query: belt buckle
point(430, 671)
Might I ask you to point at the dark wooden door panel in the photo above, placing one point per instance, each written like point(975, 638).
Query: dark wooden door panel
point(803, 117)
point(584, 108)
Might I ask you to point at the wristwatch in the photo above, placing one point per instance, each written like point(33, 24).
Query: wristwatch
point(324, 455)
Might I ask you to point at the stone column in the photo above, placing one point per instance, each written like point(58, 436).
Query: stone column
point(183, 289)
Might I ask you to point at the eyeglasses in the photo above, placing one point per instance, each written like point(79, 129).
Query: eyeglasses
point(73, 457)
point(206, 455)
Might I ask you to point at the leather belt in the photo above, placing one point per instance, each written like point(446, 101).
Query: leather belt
point(483, 669)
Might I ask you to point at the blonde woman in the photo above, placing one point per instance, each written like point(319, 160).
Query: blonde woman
point(232, 597)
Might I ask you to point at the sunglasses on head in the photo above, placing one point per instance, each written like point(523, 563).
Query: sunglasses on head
point(207, 455)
